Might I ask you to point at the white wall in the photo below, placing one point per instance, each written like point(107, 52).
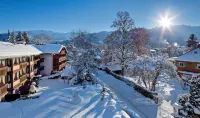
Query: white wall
point(48, 64)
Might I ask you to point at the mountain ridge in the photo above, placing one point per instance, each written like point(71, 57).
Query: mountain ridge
point(178, 34)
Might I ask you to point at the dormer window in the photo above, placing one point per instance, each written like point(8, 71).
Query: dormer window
point(181, 64)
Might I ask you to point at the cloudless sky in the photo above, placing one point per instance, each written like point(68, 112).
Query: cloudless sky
point(91, 15)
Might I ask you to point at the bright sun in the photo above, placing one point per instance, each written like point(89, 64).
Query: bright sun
point(165, 22)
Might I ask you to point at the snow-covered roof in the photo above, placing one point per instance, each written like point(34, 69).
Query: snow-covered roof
point(189, 73)
point(192, 56)
point(49, 48)
point(172, 59)
point(8, 50)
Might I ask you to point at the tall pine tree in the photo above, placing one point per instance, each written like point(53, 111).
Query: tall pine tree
point(12, 37)
point(26, 38)
point(9, 35)
point(192, 42)
point(19, 37)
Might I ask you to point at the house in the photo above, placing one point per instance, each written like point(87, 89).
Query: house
point(53, 58)
point(188, 64)
point(18, 63)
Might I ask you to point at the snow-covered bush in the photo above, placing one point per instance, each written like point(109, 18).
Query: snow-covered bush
point(191, 102)
point(148, 70)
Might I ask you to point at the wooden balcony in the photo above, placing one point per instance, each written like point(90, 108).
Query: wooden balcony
point(3, 70)
point(23, 78)
point(23, 65)
point(16, 67)
point(35, 71)
point(3, 89)
point(32, 62)
point(62, 65)
point(32, 74)
point(36, 61)
point(17, 83)
point(61, 59)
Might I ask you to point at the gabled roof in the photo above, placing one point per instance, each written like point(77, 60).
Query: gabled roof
point(50, 48)
point(8, 50)
point(192, 56)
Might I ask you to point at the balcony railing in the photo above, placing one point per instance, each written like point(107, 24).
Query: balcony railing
point(23, 78)
point(3, 70)
point(36, 61)
point(3, 89)
point(23, 65)
point(62, 59)
point(32, 62)
point(16, 83)
point(62, 65)
point(35, 71)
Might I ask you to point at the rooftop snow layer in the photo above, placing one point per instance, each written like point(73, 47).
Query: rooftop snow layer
point(14, 50)
point(192, 56)
point(49, 48)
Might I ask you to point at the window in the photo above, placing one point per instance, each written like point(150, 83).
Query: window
point(198, 66)
point(181, 64)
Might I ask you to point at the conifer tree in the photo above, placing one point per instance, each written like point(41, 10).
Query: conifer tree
point(9, 35)
point(26, 38)
point(12, 37)
point(19, 36)
point(192, 42)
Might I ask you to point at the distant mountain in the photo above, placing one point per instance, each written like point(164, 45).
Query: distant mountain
point(178, 34)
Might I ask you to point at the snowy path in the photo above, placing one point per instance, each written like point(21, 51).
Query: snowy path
point(137, 102)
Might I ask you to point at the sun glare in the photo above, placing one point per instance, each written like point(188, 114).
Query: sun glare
point(165, 22)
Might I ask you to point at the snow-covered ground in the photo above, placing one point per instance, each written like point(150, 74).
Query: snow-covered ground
point(58, 100)
point(145, 107)
point(168, 89)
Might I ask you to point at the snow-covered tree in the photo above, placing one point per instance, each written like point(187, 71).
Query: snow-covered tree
point(191, 102)
point(41, 39)
point(19, 37)
point(9, 36)
point(26, 38)
point(172, 50)
point(83, 56)
point(12, 38)
point(192, 42)
point(119, 41)
point(149, 69)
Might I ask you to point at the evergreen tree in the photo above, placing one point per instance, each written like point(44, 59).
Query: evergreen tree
point(192, 42)
point(9, 35)
point(12, 37)
point(26, 38)
point(191, 102)
point(19, 37)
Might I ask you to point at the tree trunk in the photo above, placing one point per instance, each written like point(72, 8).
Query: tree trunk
point(155, 81)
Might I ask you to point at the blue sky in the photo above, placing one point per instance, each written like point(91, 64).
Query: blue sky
point(91, 15)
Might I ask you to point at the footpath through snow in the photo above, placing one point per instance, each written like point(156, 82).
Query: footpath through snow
point(145, 107)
